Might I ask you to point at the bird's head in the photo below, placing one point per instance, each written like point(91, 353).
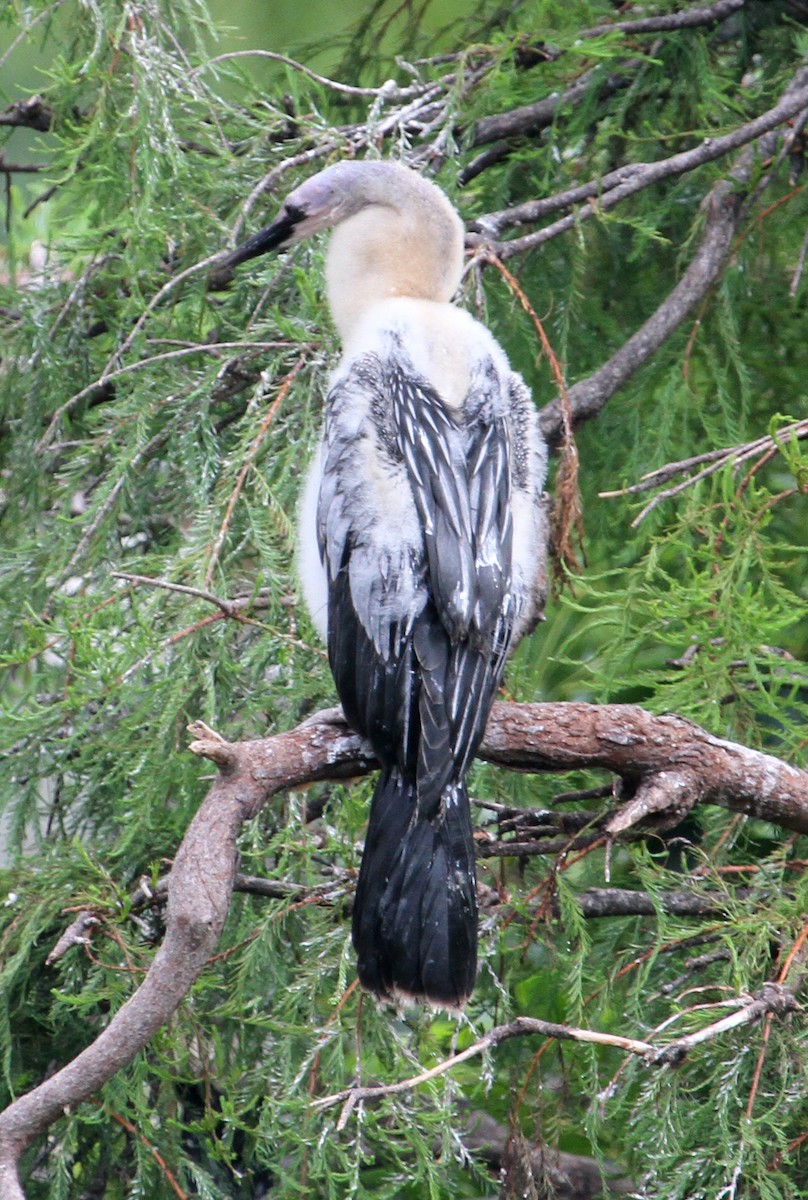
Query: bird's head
point(406, 238)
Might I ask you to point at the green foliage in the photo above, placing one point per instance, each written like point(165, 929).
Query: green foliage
point(153, 427)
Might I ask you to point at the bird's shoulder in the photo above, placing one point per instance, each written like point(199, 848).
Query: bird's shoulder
point(436, 348)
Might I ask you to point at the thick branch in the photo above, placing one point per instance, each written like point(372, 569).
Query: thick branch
point(632, 743)
point(533, 737)
point(199, 890)
point(572, 1176)
point(648, 751)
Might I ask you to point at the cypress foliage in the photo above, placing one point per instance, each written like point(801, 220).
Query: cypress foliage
point(154, 428)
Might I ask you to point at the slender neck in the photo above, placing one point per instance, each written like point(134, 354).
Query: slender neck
point(383, 251)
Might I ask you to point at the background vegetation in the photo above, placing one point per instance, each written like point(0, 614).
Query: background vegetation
point(153, 426)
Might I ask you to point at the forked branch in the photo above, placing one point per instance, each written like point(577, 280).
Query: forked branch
point(646, 750)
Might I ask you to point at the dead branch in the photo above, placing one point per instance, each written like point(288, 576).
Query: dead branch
point(199, 890)
point(8, 168)
point(772, 998)
point(594, 903)
point(625, 902)
point(518, 1027)
point(74, 935)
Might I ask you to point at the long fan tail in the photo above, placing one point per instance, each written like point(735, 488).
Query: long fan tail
point(415, 912)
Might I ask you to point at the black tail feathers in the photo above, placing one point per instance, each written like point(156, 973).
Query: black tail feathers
point(415, 913)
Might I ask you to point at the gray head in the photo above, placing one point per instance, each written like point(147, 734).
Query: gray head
point(406, 238)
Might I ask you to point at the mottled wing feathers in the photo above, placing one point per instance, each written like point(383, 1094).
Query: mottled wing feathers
point(432, 446)
point(420, 611)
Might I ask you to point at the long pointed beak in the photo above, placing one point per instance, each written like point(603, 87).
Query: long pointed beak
point(273, 237)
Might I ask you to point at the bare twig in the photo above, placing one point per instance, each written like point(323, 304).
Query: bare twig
point(230, 608)
point(772, 998)
point(387, 91)
point(519, 1027)
point(8, 168)
point(800, 267)
point(715, 460)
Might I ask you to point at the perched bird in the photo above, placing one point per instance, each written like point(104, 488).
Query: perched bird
point(422, 537)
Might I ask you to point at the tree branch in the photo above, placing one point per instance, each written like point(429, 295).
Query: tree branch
point(498, 131)
point(518, 1027)
point(199, 891)
point(532, 118)
point(772, 998)
point(716, 460)
point(649, 751)
point(687, 18)
point(531, 737)
point(723, 207)
point(8, 168)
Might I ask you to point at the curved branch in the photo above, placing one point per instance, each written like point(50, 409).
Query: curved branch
point(772, 998)
point(724, 209)
point(617, 185)
point(623, 739)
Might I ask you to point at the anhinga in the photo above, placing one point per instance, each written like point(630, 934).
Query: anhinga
point(421, 550)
